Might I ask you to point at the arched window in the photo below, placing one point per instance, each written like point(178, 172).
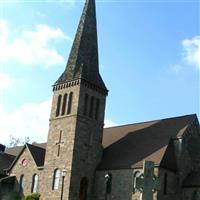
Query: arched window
point(91, 107)
point(165, 184)
point(56, 179)
point(34, 187)
point(85, 111)
point(58, 105)
point(83, 188)
point(22, 182)
point(70, 103)
point(97, 109)
point(64, 104)
point(136, 175)
point(108, 179)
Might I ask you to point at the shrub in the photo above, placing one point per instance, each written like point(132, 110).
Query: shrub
point(34, 196)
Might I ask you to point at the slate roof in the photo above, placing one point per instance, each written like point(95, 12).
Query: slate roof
point(5, 161)
point(38, 154)
point(83, 59)
point(127, 146)
point(37, 151)
point(16, 150)
point(169, 160)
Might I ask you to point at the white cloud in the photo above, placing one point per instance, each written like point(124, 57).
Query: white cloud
point(6, 81)
point(190, 54)
point(31, 47)
point(109, 123)
point(191, 51)
point(30, 120)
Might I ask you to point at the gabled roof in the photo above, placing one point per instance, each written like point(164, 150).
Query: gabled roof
point(8, 179)
point(169, 160)
point(127, 146)
point(5, 161)
point(38, 154)
point(14, 150)
point(17, 149)
point(83, 59)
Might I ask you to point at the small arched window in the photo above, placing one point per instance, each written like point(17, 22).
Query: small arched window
point(91, 106)
point(97, 109)
point(108, 178)
point(64, 104)
point(22, 182)
point(83, 189)
point(136, 175)
point(56, 179)
point(58, 105)
point(165, 184)
point(85, 111)
point(34, 187)
point(70, 103)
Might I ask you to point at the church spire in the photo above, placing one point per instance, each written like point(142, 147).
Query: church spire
point(83, 59)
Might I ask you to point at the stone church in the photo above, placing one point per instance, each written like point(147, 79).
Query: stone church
point(82, 160)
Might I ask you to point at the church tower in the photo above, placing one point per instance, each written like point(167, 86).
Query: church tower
point(74, 146)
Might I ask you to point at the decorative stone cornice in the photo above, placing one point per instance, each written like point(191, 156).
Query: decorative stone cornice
point(76, 82)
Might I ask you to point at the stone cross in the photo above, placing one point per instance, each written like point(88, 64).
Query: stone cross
point(147, 183)
point(59, 143)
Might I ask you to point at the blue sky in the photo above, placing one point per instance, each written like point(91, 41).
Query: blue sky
point(149, 54)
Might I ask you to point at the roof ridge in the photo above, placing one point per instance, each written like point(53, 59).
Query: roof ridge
point(36, 145)
point(137, 123)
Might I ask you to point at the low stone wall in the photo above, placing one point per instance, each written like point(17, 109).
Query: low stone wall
point(122, 185)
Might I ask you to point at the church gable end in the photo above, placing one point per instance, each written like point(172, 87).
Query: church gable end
point(25, 168)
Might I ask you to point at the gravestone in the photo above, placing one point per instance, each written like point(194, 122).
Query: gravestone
point(147, 183)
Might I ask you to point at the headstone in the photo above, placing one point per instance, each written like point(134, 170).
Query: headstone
point(147, 183)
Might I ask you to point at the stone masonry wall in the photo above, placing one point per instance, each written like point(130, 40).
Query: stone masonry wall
point(81, 150)
point(28, 171)
point(122, 184)
point(88, 143)
point(67, 124)
point(172, 190)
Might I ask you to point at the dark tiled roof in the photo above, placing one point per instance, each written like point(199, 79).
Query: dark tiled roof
point(192, 180)
point(5, 161)
point(14, 150)
point(83, 58)
point(37, 151)
point(169, 160)
point(41, 145)
point(8, 179)
point(127, 146)
point(38, 154)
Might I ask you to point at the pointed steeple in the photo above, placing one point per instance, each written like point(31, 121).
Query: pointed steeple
point(83, 59)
